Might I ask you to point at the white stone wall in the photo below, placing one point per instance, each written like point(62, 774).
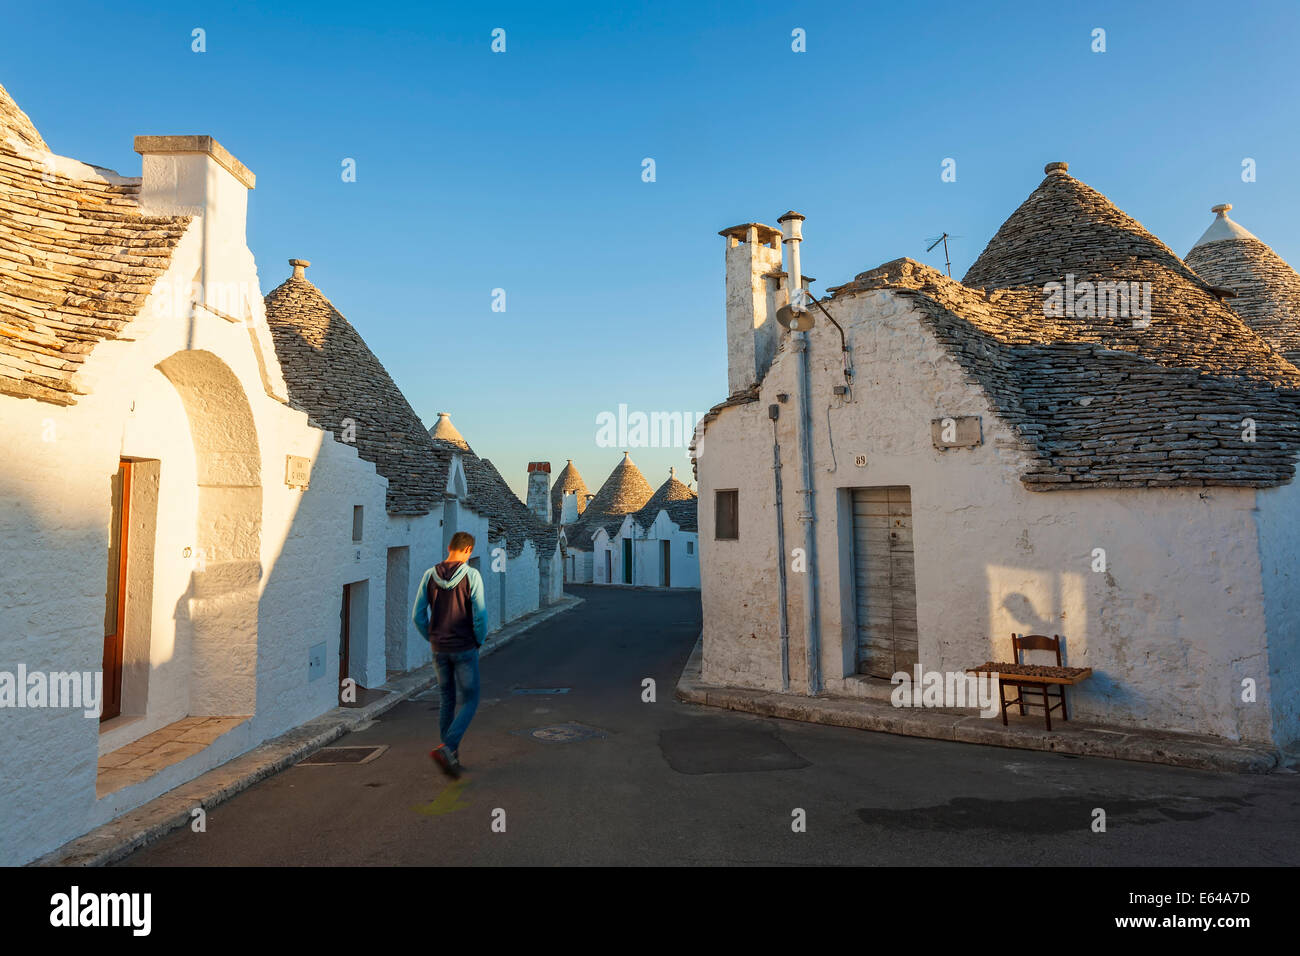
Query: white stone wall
point(1277, 518)
point(552, 588)
point(1170, 627)
point(522, 583)
point(600, 546)
point(580, 567)
point(648, 553)
point(423, 536)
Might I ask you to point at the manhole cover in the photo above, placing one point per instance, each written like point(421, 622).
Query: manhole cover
point(337, 755)
point(562, 733)
point(539, 690)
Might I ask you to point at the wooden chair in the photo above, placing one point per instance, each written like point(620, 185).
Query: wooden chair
point(1034, 642)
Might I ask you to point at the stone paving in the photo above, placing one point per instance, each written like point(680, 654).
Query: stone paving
point(153, 752)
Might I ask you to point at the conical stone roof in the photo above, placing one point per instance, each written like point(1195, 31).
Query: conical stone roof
point(568, 480)
point(491, 496)
point(670, 490)
point(1066, 230)
point(624, 492)
point(332, 375)
point(675, 497)
point(1267, 289)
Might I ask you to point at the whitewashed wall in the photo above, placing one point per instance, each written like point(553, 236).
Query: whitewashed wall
point(1277, 519)
point(600, 546)
point(647, 571)
point(1170, 629)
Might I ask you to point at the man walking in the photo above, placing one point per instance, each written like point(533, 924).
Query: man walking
point(450, 612)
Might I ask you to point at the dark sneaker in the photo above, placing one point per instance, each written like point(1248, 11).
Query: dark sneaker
point(446, 761)
point(455, 761)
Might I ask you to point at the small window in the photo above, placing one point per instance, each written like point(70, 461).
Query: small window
point(358, 512)
point(727, 515)
point(690, 547)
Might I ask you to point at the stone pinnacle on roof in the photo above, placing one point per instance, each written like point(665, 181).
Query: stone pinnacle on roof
point(298, 266)
point(1222, 228)
point(1266, 290)
point(444, 431)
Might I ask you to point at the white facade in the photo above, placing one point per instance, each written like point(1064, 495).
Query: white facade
point(235, 579)
point(1198, 586)
point(646, 546)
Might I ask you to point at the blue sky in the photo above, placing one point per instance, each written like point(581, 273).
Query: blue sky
point(522, 170)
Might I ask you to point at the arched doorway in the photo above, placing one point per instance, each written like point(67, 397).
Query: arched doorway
point(221, 604)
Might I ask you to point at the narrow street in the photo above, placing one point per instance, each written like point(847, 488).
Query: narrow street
point(669, 783)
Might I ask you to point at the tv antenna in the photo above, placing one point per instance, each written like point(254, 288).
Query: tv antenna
point(944, 239)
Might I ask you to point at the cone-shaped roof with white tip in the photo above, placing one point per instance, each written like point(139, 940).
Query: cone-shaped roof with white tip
point(1266, 289)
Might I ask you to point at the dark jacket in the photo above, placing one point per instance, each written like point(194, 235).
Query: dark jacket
point(449, 608)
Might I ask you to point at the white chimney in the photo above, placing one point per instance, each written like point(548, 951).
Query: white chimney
point(792, 231)
point(196, 176)
point(569, 508)
point(755, 290)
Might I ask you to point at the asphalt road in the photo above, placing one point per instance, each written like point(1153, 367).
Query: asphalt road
point(670, 783)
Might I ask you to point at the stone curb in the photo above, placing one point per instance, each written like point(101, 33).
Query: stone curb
point(1091, 740)
point(136, 828)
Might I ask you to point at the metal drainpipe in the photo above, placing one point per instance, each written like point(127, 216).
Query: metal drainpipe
point(791, 225)
point(773, 412)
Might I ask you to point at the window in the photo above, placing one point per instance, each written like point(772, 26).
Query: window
point(690, 547)
point(727, 515)
point(357, 518)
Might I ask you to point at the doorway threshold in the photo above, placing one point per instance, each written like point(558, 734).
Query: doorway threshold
point(152, 753)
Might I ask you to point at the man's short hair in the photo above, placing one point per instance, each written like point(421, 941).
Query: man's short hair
point(461, 541)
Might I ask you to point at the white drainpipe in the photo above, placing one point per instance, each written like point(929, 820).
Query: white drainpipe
point(792, 231)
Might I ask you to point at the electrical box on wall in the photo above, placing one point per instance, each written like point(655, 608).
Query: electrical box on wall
point(316, 662)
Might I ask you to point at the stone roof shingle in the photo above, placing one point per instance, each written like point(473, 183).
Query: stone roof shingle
point(77, 261)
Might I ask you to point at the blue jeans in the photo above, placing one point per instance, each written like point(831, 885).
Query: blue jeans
point(458, 681)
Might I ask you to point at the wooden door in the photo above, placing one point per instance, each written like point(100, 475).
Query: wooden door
point(345, 623)
point(668, 564)
point(115, 599)
point(609, 567)
point(884, 570)
point(627, 560)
